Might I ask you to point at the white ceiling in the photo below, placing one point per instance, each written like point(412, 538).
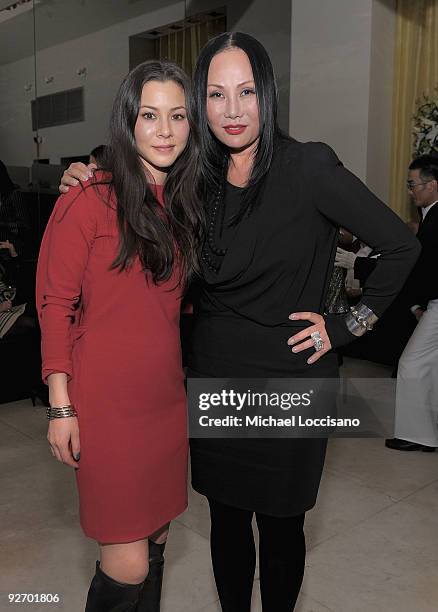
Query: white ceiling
point(57, 21)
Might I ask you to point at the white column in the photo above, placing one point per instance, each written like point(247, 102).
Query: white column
point(341, 83)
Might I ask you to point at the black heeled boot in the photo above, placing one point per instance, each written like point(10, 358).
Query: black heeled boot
point(150, 596)
point(107, 595)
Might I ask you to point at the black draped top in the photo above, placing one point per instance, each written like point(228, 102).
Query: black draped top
point(279, 259)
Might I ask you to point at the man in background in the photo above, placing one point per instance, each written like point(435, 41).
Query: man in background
point(416, 418)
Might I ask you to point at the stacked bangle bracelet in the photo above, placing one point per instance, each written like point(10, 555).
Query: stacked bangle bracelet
point(360, 319)
point(61, 412)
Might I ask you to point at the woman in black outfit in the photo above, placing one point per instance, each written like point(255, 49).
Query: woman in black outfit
point(274, 206)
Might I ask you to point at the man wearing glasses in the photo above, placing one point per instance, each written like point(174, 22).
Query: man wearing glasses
point(416, 418)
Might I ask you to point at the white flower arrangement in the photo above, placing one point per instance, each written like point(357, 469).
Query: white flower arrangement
point(426, 126)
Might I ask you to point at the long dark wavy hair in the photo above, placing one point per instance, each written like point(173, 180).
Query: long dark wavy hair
point(215, 155)
point(159, 237)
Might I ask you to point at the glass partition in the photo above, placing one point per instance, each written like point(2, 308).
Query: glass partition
point(19, 204)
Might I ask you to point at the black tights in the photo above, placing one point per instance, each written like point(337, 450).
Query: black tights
point(282, 552)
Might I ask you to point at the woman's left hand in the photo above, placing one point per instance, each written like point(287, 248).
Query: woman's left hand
point(304, 335)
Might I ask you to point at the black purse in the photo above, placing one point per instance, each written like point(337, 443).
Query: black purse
point(337, 300)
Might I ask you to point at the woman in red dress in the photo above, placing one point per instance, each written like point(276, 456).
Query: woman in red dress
point(112, 269)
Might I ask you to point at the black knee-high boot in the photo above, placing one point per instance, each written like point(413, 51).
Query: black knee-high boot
point(107, 595)
point(150, 596)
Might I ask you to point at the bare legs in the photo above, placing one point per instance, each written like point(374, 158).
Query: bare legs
point(126, 563)
point(129, 575)
point(130, 562)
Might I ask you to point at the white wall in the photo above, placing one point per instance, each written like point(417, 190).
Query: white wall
point(16, 136)
point(381, 97)
point(341, 83)
point(105, 54)
point(331, 49)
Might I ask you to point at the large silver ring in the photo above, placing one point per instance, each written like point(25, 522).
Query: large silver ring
point(318, 342)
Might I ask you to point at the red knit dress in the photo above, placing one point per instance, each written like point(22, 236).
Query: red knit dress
point(116, 335)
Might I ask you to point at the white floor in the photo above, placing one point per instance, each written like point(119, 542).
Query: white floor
point(372, 539)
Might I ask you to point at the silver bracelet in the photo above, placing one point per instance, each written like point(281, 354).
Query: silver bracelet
point(61, 412)
point(360, 319)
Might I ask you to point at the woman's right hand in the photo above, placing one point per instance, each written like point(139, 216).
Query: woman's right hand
point(76, 172)
point(63, 437)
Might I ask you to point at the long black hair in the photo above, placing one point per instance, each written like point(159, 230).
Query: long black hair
point(215, 155)
point(159, 237)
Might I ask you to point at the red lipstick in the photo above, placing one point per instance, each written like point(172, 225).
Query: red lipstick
point(234, 130)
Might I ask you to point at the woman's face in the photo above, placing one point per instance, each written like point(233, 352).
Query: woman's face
point(162, 128)
point(232, 107)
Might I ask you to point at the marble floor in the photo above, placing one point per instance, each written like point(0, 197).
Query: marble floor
point(372, 538)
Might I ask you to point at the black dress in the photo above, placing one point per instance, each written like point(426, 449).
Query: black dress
point(278, 261)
